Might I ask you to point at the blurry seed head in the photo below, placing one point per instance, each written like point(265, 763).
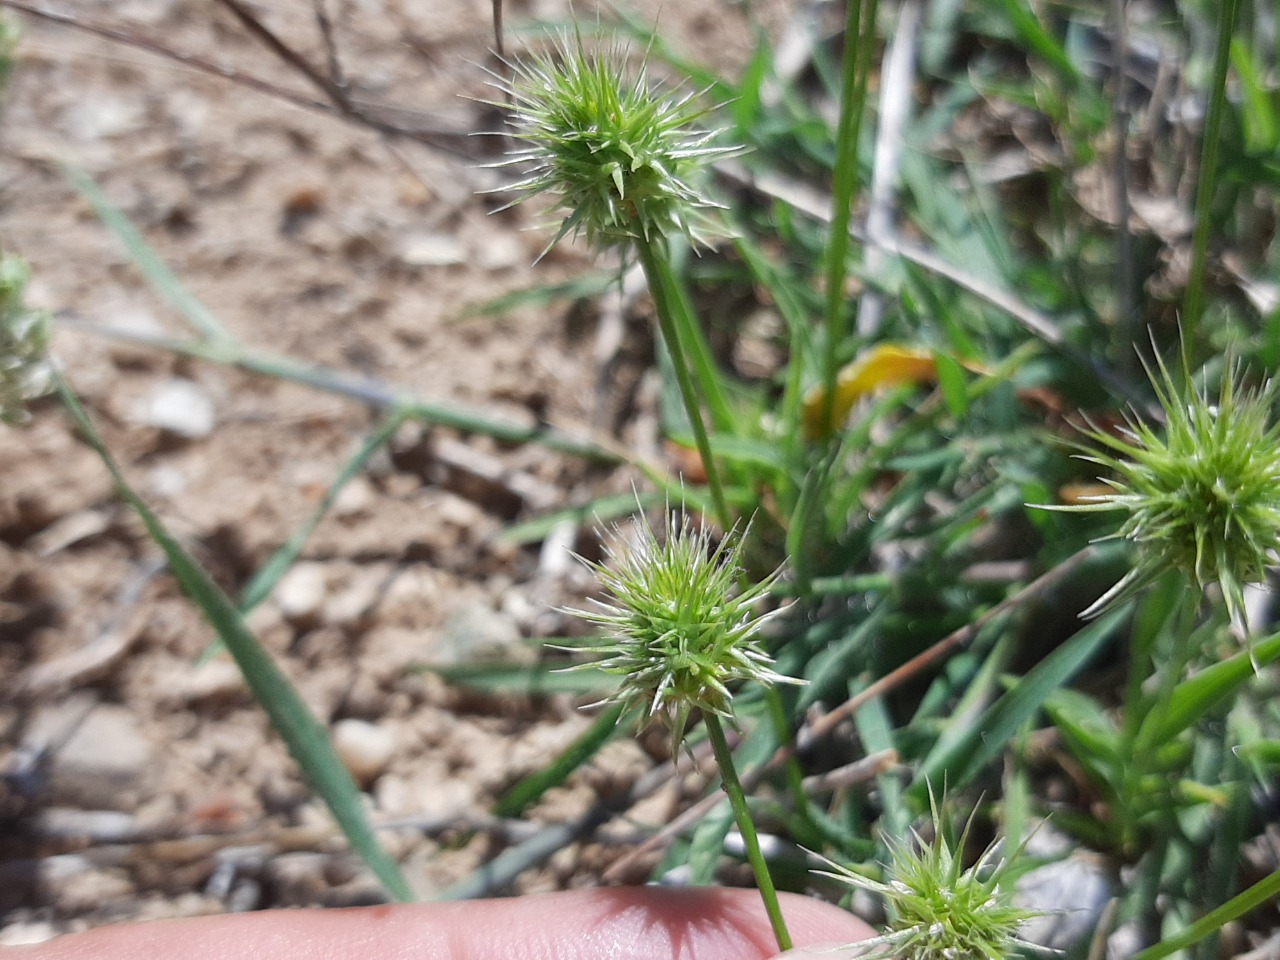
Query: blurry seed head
point(25, 370)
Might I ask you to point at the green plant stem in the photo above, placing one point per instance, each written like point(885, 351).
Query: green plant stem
point(795, 776)
point(373, 393)
point(859, 33)
point(1191, 304)
point(742, 814)
point(696, 346)
point(658, 272)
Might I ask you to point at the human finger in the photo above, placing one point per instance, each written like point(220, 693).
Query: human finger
point(636, 923)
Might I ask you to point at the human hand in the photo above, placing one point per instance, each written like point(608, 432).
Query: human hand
point(620, 923)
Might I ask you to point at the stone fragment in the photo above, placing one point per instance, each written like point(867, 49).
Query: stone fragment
point(431, 250)
point(356, 498)
point(365, 748)
point(1074, 891)
point(296, 878)
point(478, 632)
point(73, 883)
point(501, 252)
point(26, 933)
point(104, 763)
point(216, 679)
point(179, 406)
point(301, 592)
point(351, 605)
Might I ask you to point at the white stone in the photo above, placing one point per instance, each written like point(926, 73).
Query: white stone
point(355, 498)
point(23, 934)
point(104, 763)
point(501, 252)
point(431, 250)
point(364, 748)
point(352, 604)
point(478, 632)
point(218, 679)
point(179, 406)
point(301, 592)
point(101, 115)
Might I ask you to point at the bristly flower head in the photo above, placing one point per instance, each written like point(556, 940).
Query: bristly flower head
point(938, 910)
point(25, 370)
point(623, 159)
point(682, 630)
point(1204, 498)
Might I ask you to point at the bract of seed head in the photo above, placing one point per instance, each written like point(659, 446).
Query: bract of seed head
point(622, 157)
point(25, 369)
point(682, 632)
point(1203, 495)
point(939, 909)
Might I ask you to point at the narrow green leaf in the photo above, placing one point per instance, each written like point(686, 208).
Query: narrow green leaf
point(990, 734)
point(706, 847)
point(1261, 127)
point(531, 788)
point(1083, 723)
point(746, 451)
point(305, 737)
point(1212, 686)
point(1206, 181)
point(156, 272)
point(1039, 40)
point(951, 381)
point(534, 680)
point(599, 510)
point(585, 287)
point(875, 730)
point(265, 580)
point(1264, 891)
point(1262, 753)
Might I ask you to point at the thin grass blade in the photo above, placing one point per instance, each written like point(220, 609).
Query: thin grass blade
point(531, 788)
point(306, 738)
point(265, 580)
point(156, 272)
point(990, 734)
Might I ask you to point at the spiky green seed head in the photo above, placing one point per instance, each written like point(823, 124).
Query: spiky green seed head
point(1203, 495)
point(623, 159)
point(937, 909)
point(25, 371)
point(682, 633)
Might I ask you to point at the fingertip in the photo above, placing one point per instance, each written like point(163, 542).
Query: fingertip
point(647, 922)
point(816, 922)
point(820, 951)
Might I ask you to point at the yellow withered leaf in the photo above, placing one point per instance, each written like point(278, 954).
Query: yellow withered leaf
point(884, 365)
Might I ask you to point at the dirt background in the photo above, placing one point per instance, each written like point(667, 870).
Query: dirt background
point(139, 782)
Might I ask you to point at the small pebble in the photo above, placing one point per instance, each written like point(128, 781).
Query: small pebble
point(104, 763)
point(364, 748)
point(301, 592)
point(218, 679)
point(478, 632)
point(23, 934)
point(355, 498)
point(431, 250)
point(179, 406)
point(501, 253)
point(350, 605)
point(297, 878)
